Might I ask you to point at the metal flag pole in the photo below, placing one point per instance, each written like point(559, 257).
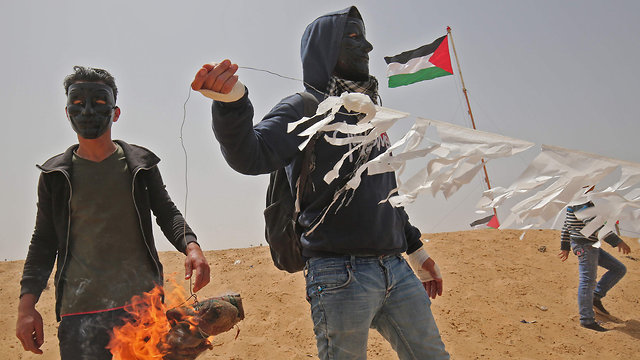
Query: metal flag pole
point(473, 123)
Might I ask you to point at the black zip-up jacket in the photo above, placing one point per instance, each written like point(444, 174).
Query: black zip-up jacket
point(50, 238)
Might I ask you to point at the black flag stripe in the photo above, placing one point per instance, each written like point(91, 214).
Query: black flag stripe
point(416, 53)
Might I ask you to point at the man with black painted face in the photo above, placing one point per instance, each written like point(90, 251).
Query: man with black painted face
point(94, 220)
point(91, 109)
point(353, 59)
point(356, 277)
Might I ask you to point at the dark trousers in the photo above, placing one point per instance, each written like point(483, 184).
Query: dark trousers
point(86, 336)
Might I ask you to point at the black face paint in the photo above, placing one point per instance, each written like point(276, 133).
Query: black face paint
point(353, 60)
point(90, 108)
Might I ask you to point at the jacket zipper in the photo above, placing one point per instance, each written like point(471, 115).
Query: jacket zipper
point(133, 184)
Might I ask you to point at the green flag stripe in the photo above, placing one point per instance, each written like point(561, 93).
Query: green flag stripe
point(424, 74)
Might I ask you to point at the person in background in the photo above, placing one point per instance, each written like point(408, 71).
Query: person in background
point(591, 291)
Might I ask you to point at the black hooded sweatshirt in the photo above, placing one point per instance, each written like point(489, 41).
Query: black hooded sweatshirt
point(363, 227)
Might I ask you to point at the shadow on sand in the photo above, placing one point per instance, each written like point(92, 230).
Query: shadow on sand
point(629, 327)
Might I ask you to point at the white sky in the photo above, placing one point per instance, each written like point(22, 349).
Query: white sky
point(563, 73)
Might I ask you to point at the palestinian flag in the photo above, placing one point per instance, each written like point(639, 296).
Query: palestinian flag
point(424, 63)
point(491, 221)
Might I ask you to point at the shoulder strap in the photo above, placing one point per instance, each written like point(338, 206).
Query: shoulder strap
point(305, 169)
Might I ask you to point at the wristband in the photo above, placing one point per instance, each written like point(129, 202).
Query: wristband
point(236, 93)
point(416, 259)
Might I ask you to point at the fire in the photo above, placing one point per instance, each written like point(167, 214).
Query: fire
point(143, 337)
point(173, 330)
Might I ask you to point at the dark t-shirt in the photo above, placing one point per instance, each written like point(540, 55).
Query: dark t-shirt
point(108, 259)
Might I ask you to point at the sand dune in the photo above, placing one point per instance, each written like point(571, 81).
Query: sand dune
point(493, 281)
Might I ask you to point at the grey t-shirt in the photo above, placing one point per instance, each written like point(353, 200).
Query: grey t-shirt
point(108, 259)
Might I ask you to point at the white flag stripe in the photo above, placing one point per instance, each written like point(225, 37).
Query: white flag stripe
point(410, 67)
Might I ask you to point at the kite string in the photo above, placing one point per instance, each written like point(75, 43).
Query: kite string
point(186, 155)
point(184, 119)
point(303, 82)
point(186, 158)
point(186, 188)
point(284, 77)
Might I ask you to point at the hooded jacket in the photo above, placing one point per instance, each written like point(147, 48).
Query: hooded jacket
point(361, 226)
point(50, 240)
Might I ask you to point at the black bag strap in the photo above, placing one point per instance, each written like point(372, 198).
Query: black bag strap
point(307, 167)
point(305, 170)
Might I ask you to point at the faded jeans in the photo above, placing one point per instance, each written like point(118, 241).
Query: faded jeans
point(349, 295)
point(589, 258)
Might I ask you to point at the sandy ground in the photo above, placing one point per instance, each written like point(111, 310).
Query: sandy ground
point(493, 281)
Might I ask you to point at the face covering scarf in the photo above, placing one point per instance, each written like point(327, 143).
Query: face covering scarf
point(337, 86)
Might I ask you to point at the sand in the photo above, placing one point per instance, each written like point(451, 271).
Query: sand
point(493, 281)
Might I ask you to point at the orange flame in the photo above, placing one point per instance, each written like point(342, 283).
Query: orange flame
point(142, 337)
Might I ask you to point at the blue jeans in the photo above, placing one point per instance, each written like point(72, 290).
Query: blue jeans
point(589, 258)
point(349, 295)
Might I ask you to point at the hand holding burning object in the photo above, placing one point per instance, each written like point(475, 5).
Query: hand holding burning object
point(192, 326)
point(180, 333)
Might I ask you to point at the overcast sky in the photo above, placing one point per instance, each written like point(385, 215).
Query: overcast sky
point(563, 73)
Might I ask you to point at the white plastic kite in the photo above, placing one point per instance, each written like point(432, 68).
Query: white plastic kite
point(459, 156)
point(557, 177)
point(458, 153)
point(554, 179)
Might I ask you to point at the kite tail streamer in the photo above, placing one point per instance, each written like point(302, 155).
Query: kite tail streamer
point(344, 194)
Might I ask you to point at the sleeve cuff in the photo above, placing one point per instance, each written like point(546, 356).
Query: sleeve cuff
point(190, 238)
point(236, 93)
point(612, 239)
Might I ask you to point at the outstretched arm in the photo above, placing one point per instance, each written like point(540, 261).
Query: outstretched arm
point(250, 149)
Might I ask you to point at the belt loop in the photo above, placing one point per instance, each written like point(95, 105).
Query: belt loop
point(352, 261)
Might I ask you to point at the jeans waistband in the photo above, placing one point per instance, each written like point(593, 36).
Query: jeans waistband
point(354, 259)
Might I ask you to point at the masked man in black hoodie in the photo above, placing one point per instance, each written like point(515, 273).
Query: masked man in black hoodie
point(356, 276)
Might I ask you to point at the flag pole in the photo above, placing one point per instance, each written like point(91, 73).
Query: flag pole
point(473, 123)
